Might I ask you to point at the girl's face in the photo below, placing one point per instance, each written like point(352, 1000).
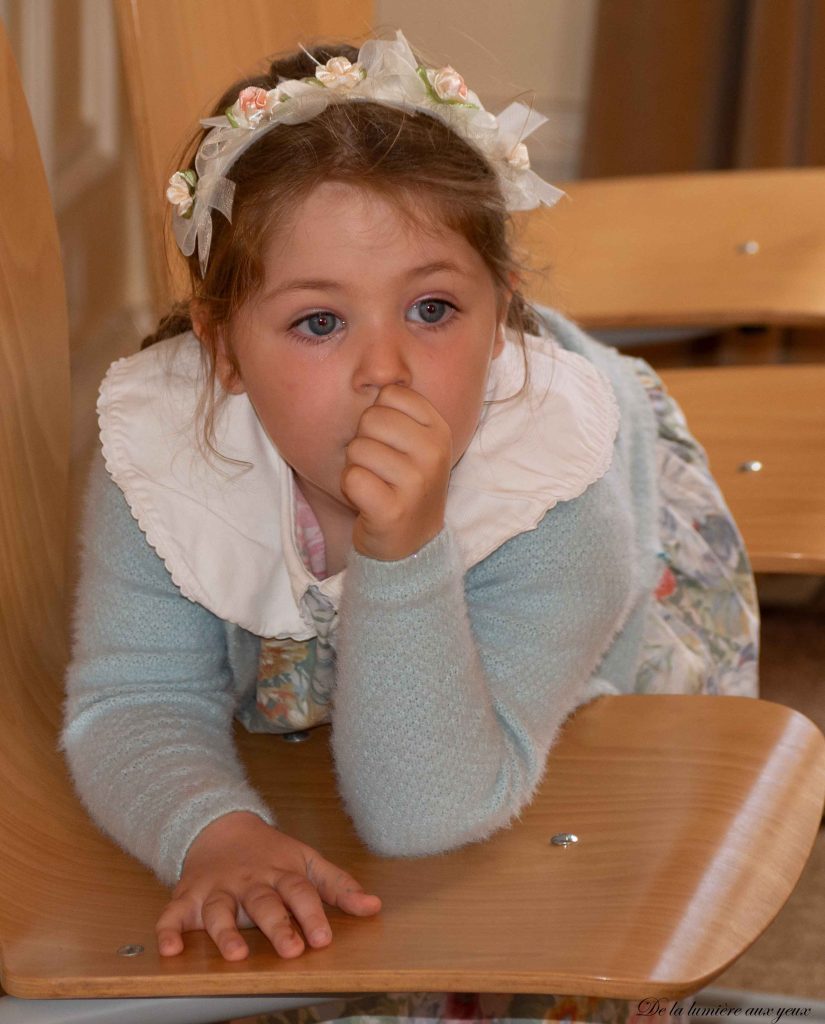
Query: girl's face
point(355, 298)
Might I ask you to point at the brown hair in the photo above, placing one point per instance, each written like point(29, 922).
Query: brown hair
point(412, 160)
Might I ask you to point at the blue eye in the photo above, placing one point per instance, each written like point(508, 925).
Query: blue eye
point(432, 311)
point(323, 320)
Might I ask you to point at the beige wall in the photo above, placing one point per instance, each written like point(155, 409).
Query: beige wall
point(504, 50)
point(68, 56)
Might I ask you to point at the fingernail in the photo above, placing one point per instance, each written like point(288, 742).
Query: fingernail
point(321, 935)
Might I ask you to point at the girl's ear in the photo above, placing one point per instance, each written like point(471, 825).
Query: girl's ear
point(498, 344)
point(225, 370)
point(214, 341)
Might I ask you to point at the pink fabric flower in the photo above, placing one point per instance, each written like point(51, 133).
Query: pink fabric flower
point(448, 84)
point(253, 106)
point(251, 100)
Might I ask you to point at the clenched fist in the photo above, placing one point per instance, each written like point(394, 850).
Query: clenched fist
point(397, 473)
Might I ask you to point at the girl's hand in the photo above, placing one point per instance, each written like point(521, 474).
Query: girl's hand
point(397, 474)
point(241, 872)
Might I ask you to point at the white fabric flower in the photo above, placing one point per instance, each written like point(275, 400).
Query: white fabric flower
point(340, 74)
point(519, 158)
point(181, 191)
point(448, 84)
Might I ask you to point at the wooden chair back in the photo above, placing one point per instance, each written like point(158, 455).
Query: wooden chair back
point(716, 249)
point(179, 58)
point(34, 464)
point(763, 428)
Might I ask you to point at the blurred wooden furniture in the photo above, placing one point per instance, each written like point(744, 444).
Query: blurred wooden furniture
point(707, 250)
point(694, 815)
point(675, 255)
point(179, 58)
point(763, 428)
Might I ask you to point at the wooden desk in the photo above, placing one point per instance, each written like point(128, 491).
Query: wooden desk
point(694, 815)
point(776, 416)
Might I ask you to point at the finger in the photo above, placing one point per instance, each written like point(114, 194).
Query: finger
point(430, 444)
point(302, 898)
point(408, 401)
point(218, 913)
point(397, 428)
point(339, 889)
point(169, 929)
point(266, 909)
point(170, 941)
point(392, 466)
point(363, 489)
point(359, 903)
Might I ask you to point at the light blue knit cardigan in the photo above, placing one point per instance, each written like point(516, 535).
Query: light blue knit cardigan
point(450, 689)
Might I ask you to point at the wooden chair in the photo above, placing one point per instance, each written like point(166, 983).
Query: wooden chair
point(675, 253)
point(191, 50)
point(763, 428)
point(694, 815)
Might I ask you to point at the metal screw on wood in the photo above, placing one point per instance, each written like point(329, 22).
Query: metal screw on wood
point(296, 737)
point(133, 949)
point(564, 839)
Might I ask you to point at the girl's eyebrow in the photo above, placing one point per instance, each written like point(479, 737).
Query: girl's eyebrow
point(306, 284)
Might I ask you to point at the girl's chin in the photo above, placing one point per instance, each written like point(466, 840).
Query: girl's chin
point(331, 498)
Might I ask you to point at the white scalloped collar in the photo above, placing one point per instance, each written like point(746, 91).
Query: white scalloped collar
point(227, 536)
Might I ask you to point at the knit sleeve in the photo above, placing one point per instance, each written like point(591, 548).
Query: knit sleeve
point(149, 703)
point(451, 690)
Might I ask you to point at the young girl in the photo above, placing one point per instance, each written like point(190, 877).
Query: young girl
point(359, 482)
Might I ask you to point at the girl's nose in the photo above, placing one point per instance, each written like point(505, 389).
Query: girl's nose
point(381, 361)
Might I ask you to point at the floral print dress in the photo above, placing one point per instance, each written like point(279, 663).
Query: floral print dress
point(702, 636)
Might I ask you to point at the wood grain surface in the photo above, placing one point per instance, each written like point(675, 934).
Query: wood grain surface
point(774, 415)
point(34, 430)
point(694, 817)
point(664, 250)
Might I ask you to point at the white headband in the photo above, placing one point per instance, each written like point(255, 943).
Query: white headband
point(386, 72)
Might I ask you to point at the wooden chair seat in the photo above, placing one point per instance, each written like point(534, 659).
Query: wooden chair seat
point(694, 817)
point(764, 431)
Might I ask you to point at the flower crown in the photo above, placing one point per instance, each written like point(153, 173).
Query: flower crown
point(385, 72)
